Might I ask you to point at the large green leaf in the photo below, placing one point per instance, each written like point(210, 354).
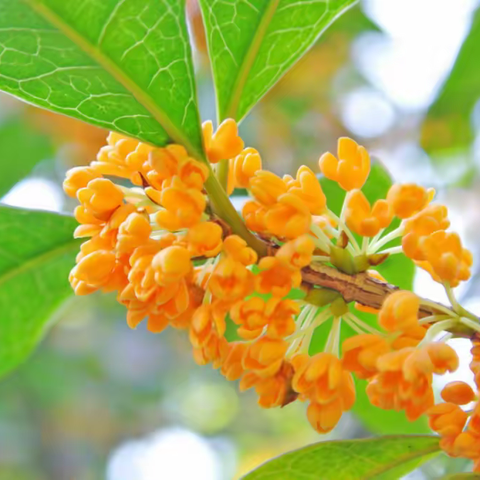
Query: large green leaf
point(252, 43)
point(37, 250)
point(448, 126)
point(20, 149)
point(376, 458)
point(124, 65)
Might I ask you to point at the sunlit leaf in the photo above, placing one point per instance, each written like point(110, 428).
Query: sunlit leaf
point(376, 458)
point(252, 43)
point(21, 148)
point(37, 250)
point(448, 124)
point(124, 65)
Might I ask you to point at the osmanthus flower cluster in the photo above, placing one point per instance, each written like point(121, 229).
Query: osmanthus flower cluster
point(168, 251)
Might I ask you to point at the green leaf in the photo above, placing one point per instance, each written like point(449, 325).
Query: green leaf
point(374, 458)
point(21, 149)
point(123, 65)
point(37, 250)
point(253, 43)
point(448, 126)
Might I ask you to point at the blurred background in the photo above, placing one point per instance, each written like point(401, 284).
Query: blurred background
point(98, 400)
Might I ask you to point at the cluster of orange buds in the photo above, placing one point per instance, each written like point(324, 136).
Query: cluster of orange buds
point(458, 427)
point(159, 244)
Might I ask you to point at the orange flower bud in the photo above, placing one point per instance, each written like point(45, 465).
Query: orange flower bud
point(119, 216)
point(232, 368)
point(142, 276)
point(467, 444)
point(193, 173)
point(443, 357)
point(114, 137)
point(411, 337)
point(276, 277)
point(78, 178)
point(204, 239)
point(352, 167)
point(459, 393)
point(101, 197)
point(447, 419)
point(133, 233)
point(213, 352)
point(399, 311)
point(95, 268)
point(322, 379)
point(163, 165)
point(474, 423)
point(80, 287)
point(183, 206)
point(361, 352)
point(445, 256)
point(297, 253)
point(244, 167)
point(404, 381)
point(264, 357)
point(254, 216)
point(362, 219)
point(324, 417)
point(475, 363)
point(273, 391)
point(408, 199)
point(308, 188)
point(207, 321)
point(276, 391)
point(111, 159)
point(224, 143)
point(266, 187)
point(237, 248)
point(255, 313)
point(137, 160)
point(171, 265)
point(435, 358)
point(250, 315)
point(383, 389)
point(289, 218)
point(280, 313)
point(91, 225)
point(427, 221)
point(230, 281)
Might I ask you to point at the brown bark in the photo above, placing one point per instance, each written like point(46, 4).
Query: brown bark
point(359, 288)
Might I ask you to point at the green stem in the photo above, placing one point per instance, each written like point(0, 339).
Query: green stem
point(470, 323)
point(437, 306)
point(222, 173)
point(435, 329)
point(451, 297)
point(392, 250)
point(223, 207)
point(342, 226)
point(398, 232)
